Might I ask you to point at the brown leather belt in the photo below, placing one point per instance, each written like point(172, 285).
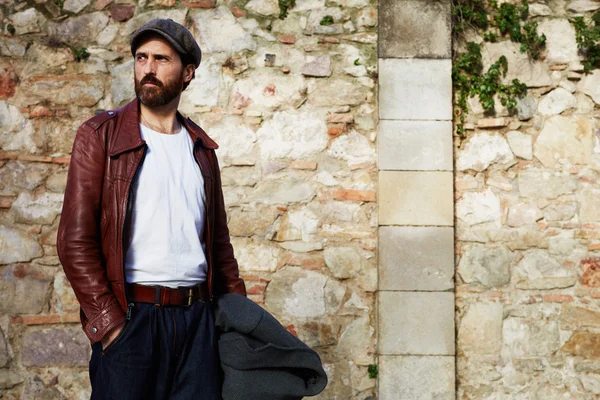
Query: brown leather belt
point(166, 296)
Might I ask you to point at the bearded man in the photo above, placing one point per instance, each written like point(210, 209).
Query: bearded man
point(143, 234)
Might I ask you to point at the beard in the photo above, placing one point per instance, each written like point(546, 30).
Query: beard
point(159, 95)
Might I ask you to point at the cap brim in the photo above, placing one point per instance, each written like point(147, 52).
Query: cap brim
point(138, 35)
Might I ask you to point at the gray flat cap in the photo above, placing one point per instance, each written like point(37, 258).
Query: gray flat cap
point(180, 38)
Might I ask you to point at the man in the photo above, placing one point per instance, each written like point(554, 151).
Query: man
point(143, 233)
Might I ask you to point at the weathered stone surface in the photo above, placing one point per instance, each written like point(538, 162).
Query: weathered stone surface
point(560, 211)
point(566, 138)
point(416, 258)
point(253, 255)
point(297, 225)
point(263, 7)
point(415, 145)
point(57, 182)
point(483, 150)
point(80, 90)
point(55, 346)
point(407, 96)
point(356, 337)
point(28, 21)
point(35, 389)
point(12, 47)
point(9, 379)
point(537, 182)
point(63, 297)
point(23, 290)
point(415, 198)
point(489, 266)
point(140, 19)
point(520, 144)
point(283, 191)
point(532, 73)
point(41, 209)
point(408, 29)
point(560, 41)
point(337, 93)
point(590, 85)
point(205, 88)
point(8, 80)
point(413, 377)
point(526, 338)
point(353, 148)
point(299, 294)
point(294, 135)
point(252, 221)
point(589, 203)
point(317, 66)
point(556, 102)
point(480, 329)
point(79, 29)
point(581, 6)
point(367, 18)
point(576, 317)
point(75, 6)
point(209, 26)
point(524, 214)
point(122, 12)
point(44, 59)
point(537, 270)
point(4, 357)
point(343, 262)
point(16, 174)
point(526, 107)
point(591, 383)
point(313, 24)
point(17, 246)
point(122, 88)
point(416, 323)
point(269, 89)
point(539, 10)
point(478, 207)
point(16, 132)
point(590, 272)
point(584, 344)
point(236, 140)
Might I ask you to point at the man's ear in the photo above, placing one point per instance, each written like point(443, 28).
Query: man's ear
point(188, 72)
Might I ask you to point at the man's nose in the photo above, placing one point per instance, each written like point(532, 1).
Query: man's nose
point(150, 67)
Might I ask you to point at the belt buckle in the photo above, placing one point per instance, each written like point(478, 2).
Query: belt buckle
point(190, 295)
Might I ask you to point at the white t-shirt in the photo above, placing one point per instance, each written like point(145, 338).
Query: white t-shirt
point(167, 222)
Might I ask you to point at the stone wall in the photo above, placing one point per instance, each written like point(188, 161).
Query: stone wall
point(528, 227)
point(292, 104)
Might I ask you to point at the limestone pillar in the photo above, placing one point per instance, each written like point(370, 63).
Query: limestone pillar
point(416, 335)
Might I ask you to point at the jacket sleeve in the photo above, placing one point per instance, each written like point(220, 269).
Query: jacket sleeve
point(225, 265)
point(78, 238)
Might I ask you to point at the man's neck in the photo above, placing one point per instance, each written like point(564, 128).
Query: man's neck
point(161, 118)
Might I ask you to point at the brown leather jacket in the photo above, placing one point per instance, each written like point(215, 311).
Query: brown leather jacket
point(94, 224)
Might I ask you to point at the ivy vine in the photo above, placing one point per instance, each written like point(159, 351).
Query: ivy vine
point(284, 5)
point(469, 79)
point(587, 38)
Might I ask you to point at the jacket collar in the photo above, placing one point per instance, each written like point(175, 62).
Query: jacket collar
point(128, 134)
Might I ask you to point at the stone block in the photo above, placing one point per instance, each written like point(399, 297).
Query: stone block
point(416, 323)
point(416, 198)
point(416, 378)
point(23, 289)
point(416, 258)
point(415, 89)
point(55, 346)
point(415, 145)
point(414, 29)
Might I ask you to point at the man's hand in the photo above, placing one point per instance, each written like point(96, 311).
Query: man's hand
point(111, 335)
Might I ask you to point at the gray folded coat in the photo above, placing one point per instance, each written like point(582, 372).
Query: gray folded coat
point(260, 359)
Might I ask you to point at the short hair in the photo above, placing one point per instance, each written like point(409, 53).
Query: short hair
point(186, 60)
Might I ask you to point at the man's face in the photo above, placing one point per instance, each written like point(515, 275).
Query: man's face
point(159, 73)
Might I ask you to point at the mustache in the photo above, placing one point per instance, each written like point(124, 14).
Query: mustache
point(151, 79)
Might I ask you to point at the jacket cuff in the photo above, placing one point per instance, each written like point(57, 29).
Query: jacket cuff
point(110, 317)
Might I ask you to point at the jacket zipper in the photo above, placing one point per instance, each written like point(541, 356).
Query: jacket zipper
point(128, 208)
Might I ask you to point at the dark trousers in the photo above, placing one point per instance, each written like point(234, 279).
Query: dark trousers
point(161, 353)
